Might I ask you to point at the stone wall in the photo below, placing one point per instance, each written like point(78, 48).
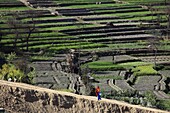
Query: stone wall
point(23, 98)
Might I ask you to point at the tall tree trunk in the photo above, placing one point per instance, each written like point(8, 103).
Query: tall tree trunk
point(28, 37)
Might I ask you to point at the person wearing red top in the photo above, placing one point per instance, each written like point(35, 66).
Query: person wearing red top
point(98, 94)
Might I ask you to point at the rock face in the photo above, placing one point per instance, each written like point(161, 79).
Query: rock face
point(23, 98)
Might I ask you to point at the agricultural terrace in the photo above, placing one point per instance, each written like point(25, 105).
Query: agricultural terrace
point(122, 46)
point(80, 25)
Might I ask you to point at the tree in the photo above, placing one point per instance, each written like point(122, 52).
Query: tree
point(30, 27)
point(151, 98)
point(15, 27)
point(22, 30)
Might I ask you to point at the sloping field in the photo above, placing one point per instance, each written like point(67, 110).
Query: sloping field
point(84, 25)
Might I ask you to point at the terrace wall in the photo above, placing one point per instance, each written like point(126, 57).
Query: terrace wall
point(23, 98)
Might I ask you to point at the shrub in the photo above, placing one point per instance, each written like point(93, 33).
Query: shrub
point(30, 76)
point(150, 97)
point(10, 71)
point(164, 104)
point(11, 56)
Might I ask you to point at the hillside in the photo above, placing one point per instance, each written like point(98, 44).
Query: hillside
point(24, 98)
point(76, 45)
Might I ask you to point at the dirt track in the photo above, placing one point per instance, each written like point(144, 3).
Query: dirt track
point(27, 98)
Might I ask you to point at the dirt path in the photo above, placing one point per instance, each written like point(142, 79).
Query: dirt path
point(90, 98)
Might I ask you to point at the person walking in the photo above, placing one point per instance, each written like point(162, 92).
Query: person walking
point(98, 93)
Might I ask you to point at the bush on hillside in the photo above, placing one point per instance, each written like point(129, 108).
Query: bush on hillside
point(164, 104)
point(2, 59)
point(9, 71)
point(11, 56)
point(150, 98)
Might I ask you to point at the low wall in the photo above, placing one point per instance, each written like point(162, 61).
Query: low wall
point(23, 98)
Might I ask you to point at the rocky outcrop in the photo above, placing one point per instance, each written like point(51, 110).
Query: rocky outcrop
point(23, 98)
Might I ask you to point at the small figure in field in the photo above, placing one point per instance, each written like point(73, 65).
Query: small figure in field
point(98, 93)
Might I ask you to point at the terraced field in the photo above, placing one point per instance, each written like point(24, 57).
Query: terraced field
point(89, 27)
point(47, 76)
point(147, 82)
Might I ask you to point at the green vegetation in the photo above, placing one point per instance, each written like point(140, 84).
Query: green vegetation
point(13, 1)
point(11, 56)
point(71, 27)
point(77, 46)
point(143, 1)
point(128, 45)
point(79, 1)
point(150, 98)
point(164, 104)
point(144, 70)
point(15, 68)
point(89, 30)
point(41, 39)
point(10, 71)
point(97, 5)
point(101, 66)
point(128, 65)
point(14, 8)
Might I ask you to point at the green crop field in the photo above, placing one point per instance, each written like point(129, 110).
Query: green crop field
point(54, 28)
point(80, 1)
